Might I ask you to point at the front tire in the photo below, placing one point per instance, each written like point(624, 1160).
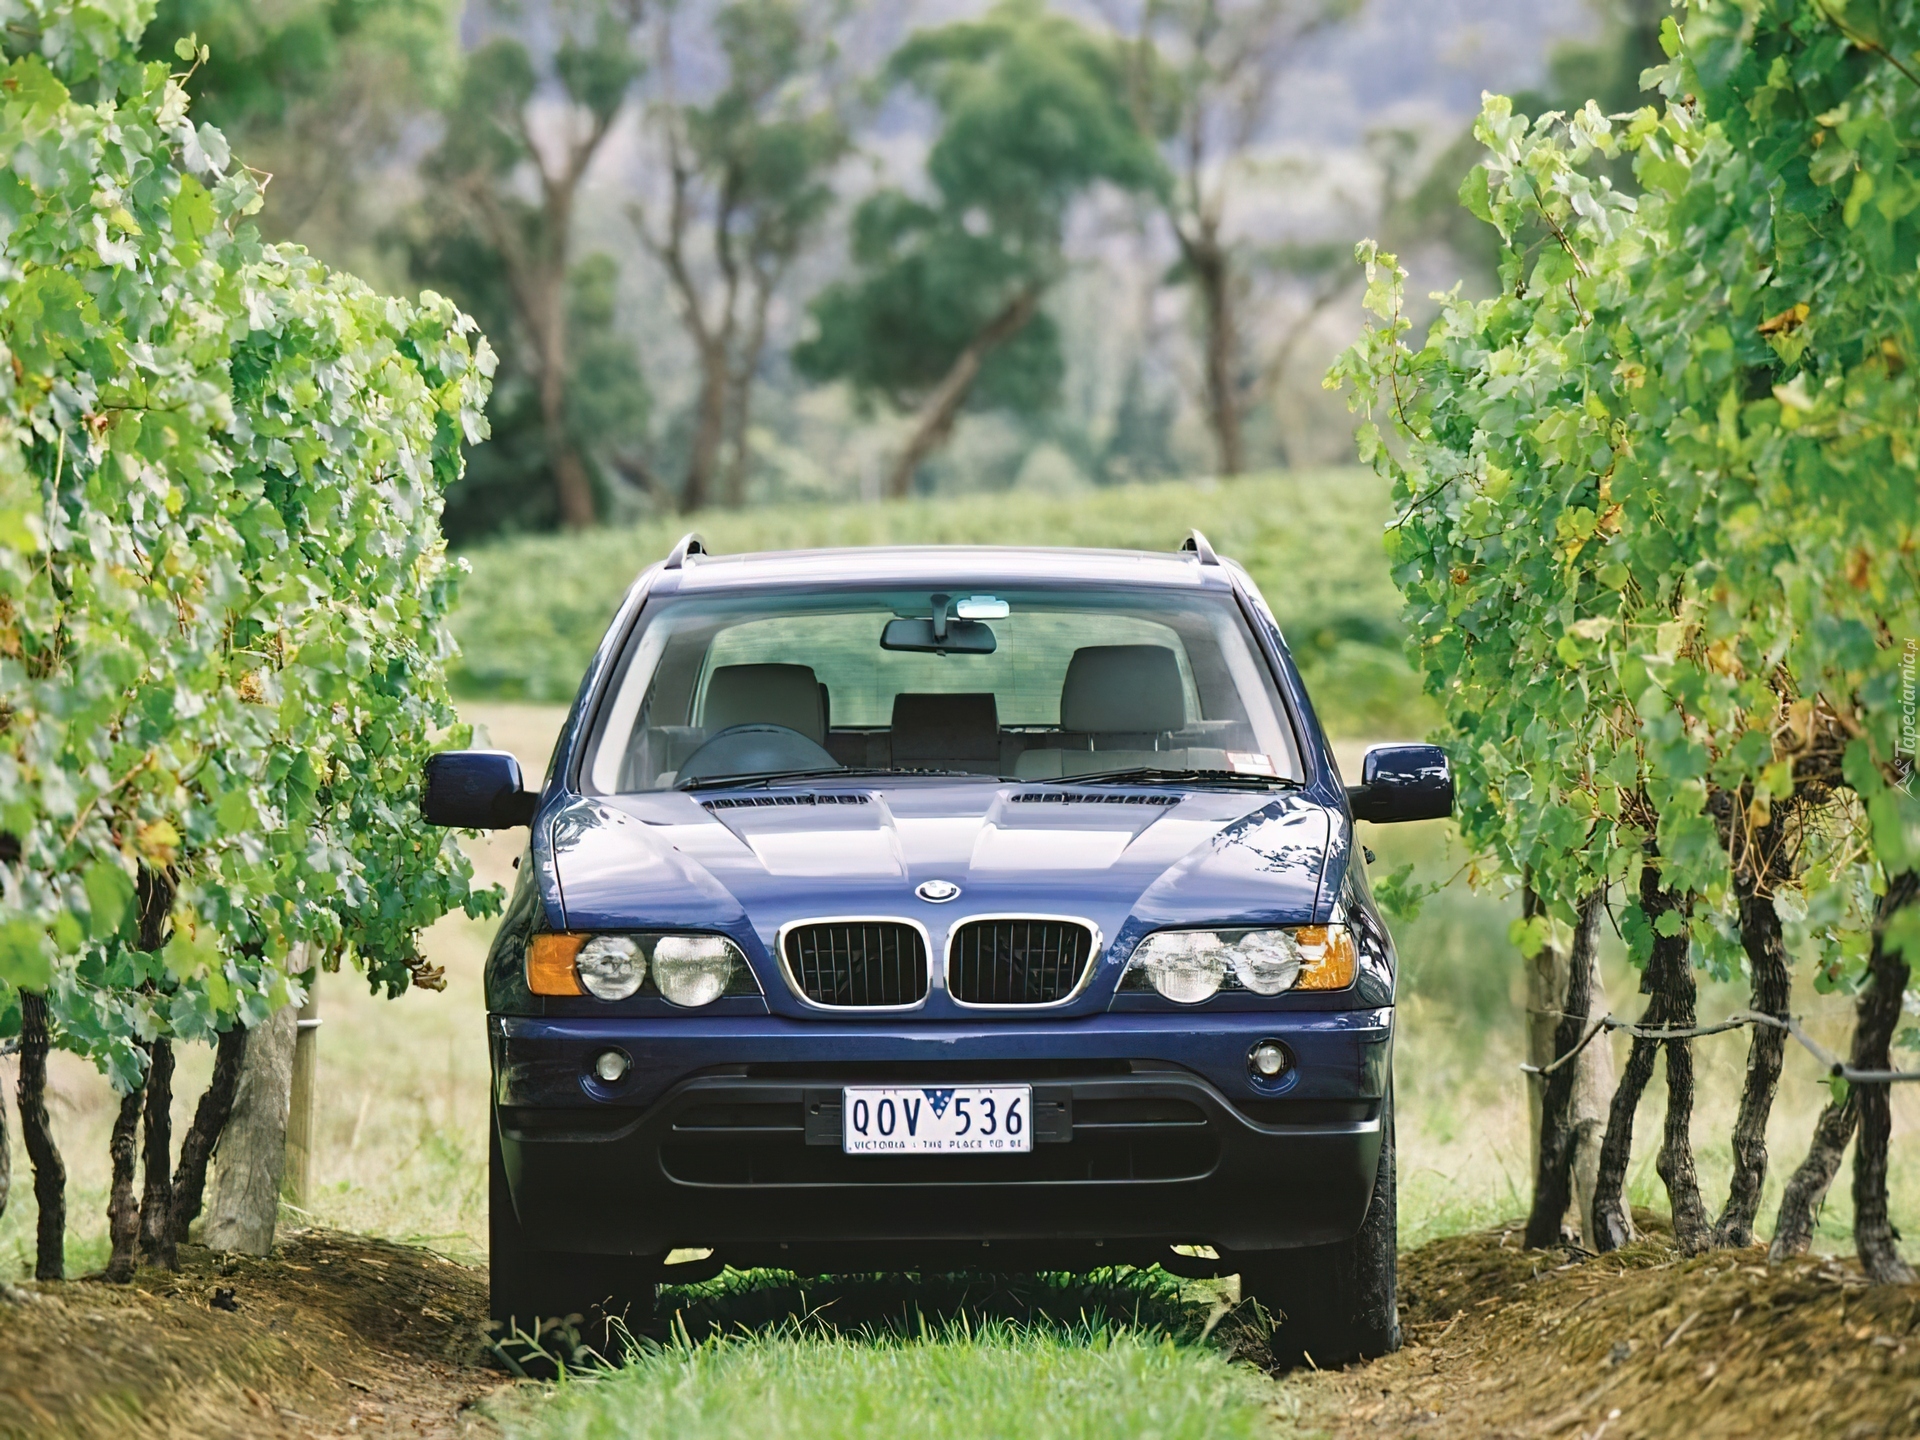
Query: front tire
point(549, 1305)
point(1332, 1304)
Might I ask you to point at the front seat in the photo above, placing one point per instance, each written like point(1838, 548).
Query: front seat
point(1123, 702)
point(789, 695)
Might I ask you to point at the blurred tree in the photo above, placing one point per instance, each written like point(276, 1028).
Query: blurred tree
point(320, 94)
point(508, 487)
point(1202, 81)
point(945, 312)
point(520, 137)
point(750, 168)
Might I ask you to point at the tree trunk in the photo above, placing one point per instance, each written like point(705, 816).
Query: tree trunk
point(49, 1174)
point(156, 1204)
point(942, 408)
point(209, 1119)
point(1807, 1190)
point(1213, 274)
point(123, 1212)
point(1553, 1180)
point(1877, 1015)
point(740, 393)
point(253, 1148)
point(1772, 990)
point(572, 487)
point(709, 427)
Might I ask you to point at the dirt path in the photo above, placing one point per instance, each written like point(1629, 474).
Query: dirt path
point(344, 1336)
point(1504, 1342)
point(336, 1335)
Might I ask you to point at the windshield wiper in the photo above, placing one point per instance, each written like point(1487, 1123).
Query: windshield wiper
point(762, 777)
point(1150, 775)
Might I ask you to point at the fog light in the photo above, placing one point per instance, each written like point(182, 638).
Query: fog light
point(1268, 1058)
point(611, 1066)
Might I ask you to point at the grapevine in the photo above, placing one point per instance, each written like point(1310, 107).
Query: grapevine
point(1660, 535)
point(223, 590)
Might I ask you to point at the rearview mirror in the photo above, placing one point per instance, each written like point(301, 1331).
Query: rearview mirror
point(1402, 782)
point(475, 790)
point(963, 637)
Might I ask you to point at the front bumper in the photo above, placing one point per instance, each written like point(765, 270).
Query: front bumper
point(1149, 1131)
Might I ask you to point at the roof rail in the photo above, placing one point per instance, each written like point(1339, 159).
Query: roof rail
point(690, 544)
point(1196, 545)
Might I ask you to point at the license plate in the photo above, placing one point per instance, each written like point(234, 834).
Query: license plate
point(927, 1119)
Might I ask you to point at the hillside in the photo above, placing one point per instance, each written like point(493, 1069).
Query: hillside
point(535, 607)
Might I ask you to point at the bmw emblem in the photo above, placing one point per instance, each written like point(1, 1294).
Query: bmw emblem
point(937, 892)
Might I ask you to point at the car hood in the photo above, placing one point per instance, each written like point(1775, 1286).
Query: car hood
point(1127, 859)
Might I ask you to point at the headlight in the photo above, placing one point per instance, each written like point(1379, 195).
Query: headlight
point(685, 970)
point(611, 967)
point(1188, 966)
point(694, 969)
point(1266, 961)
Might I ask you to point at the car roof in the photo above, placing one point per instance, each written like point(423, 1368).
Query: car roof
point(922, 565)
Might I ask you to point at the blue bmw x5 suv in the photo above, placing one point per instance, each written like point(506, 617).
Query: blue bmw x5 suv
point(944, 908)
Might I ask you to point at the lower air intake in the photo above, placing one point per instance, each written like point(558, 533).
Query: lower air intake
point(858, 964)
point(1018, 962)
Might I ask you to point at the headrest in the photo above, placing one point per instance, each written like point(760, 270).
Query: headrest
point(940, 729)
point(788, 695)
point(1123, 690)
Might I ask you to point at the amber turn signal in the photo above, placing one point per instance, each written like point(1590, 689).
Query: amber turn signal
point(550, 968)
point(1328, 955)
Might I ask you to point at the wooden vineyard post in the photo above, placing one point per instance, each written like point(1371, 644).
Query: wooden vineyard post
point(300, 1110)
point(251, 1163)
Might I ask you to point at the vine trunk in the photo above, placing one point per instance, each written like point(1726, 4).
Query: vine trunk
point(1772, 990)
point(209, 1121)
point(1670, 1005)
point(1807, 1190)
point(1553, 1181)
point(123, 1211)
point(6, 1159)
point(36, 1129)
point(156, 1203)
point(1878, 1013)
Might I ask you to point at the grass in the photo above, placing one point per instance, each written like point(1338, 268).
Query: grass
point(997, 1379)
point(534, 608)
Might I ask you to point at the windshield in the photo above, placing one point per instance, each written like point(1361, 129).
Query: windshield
point(1015, 684)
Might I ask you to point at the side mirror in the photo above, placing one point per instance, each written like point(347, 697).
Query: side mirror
point(475, 790)
point(1403, 782)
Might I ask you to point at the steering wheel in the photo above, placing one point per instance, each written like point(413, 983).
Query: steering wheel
point(755, 750)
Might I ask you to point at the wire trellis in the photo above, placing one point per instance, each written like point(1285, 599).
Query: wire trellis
point(1738, 1020)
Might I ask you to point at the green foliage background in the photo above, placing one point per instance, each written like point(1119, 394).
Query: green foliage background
point(534, 608)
